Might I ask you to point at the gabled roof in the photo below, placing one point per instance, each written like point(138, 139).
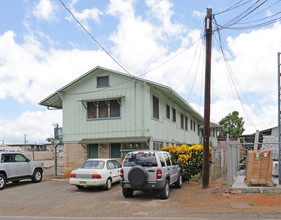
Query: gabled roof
point(54, 100)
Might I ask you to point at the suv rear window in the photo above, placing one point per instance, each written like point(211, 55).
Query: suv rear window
point(143, 160)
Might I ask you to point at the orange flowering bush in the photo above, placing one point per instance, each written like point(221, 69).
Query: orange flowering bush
point(190, 158)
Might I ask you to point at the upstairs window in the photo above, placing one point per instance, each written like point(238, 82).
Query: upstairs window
point(103, 109)
point(182, 121)
point(114, 108)
point(186, 123)
point(155, 107)
point(174, 115)
point(102, 81)
point(168, 111)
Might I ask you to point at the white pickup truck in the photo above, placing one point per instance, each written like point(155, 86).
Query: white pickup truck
point(15, 167)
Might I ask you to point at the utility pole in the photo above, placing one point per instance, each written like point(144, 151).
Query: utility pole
point(279, 115)
point(207, 103)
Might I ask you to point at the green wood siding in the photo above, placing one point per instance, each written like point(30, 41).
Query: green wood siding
point(136, 111)
point(134, 114)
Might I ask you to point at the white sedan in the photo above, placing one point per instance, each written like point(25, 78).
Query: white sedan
point(96, 172)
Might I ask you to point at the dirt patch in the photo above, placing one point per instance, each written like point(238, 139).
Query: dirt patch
point(217, 199)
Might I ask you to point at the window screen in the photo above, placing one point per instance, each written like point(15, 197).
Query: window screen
point(155, 107)
point(168, 112)
point(103, 109)
point(174, 115)
point(182, 121)
point(114, 108)
point(91, 110)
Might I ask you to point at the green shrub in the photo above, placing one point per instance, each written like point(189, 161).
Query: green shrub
point(190, 158)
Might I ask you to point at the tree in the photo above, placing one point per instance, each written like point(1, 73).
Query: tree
point(231, 124)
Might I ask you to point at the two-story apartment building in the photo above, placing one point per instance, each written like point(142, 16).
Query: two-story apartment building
point(108, 113)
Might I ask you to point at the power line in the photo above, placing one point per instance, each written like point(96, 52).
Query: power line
point(172, 57)
point(93, 38)
point(232, 77)
point(244, 16)
point(233, 7)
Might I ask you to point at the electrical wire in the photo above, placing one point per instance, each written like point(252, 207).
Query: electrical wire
point(93, 38)
point(231, 76)
point(237, 22)
point(233, 7)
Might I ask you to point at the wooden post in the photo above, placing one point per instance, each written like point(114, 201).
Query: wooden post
point(207, 103)
point(256, 139)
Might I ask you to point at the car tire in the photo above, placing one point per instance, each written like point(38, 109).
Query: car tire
point(127, 193)
point(37, 176)
point(137, 176)
point(79, 187)
point(2, 181)
point(165, 192)
point(178, 184)
point(108, 184)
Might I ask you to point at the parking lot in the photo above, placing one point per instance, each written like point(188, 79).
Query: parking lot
point(57, 198)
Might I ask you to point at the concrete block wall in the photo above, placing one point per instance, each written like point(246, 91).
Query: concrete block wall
point(74, 156)
point(39, 155)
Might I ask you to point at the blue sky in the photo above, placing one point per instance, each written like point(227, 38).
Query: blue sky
point(42, 48)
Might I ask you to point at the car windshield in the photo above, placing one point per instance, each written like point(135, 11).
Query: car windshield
point(93, 165)
point(146, 159)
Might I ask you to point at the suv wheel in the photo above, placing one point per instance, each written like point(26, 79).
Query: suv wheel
point(178, 184)
point(127, 192)
point(2, 181)
point(37, 176)
point(165, 192)
point(137, 176)
point(108, 184)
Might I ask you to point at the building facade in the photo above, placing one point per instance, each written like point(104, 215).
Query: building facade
point(108, 114)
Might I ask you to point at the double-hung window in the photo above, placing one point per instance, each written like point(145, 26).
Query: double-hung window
point(103, 109)
point(155, 107)
point(174, 115)
point(182, 121)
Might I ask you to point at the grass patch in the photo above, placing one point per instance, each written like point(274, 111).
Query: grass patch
point(272, 193)
point(251, 203)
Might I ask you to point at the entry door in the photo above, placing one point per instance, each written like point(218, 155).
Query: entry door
point(115, 150)
point(93, 151)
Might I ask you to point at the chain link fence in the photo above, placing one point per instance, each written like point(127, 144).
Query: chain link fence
point(237, 160)
point(219, 164)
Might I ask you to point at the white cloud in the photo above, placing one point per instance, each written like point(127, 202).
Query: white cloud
point(198, 14)
point(26, 69)
point(44, 10)
point(36, 125)
point(85, 15)
point(162, 11)
point(135, 41)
